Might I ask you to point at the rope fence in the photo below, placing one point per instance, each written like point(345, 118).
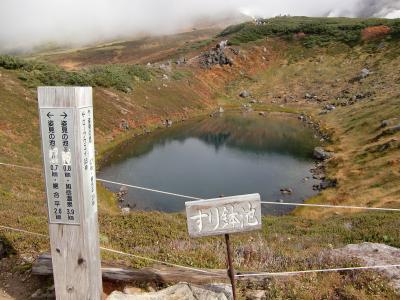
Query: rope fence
point(238, 275)
point(196, 198)
point(116, 252)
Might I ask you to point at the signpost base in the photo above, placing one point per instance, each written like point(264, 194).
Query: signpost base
point(231, 271)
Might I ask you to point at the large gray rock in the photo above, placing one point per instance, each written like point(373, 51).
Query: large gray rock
point(330, 107)
point(364, 73)
point(320, 153)
point(327, 183)
point(220, 288)
point(373, 254)
point(393, 129)
point(181, 291)
point(256, 295)
point(215, 56)
point(244, 94)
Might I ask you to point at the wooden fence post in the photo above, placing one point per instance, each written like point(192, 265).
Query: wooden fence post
point(66, 119)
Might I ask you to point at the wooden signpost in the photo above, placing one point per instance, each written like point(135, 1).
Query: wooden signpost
point(224, 216)
point(66, 121)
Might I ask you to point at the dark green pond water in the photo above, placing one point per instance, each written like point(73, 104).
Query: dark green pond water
point(229, 155)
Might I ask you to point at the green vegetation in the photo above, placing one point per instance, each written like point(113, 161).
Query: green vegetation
point(318, 31)
point(201, 44)
point(36, 73)
point(180, 74)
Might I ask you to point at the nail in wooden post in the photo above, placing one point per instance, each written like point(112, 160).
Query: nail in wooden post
point(66, 119)
point(231, 271)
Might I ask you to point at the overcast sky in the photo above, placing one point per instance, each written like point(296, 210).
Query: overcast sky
point(29, 23)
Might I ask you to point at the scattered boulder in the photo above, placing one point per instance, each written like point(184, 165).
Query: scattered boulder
point(256, 295)
point(374, 254)
point(385, 123)
point(167, 122)
point(220, 288)
point(260, 21)
point(125, 210)
point(330, 107)
point(393, 129)
point(247, 107)
point(364, 73)
point(123, 191)
point(235, 51)
point(328, 183)
point(244, 94)
point(308, 96)
point(286, 191)
point(262, 114)
point(321, 154)
point(387, 132)
point(181, 61)
point(391, 144)
point(223, 44)
point(181, 291)
point(215, 56)
point(124, 125)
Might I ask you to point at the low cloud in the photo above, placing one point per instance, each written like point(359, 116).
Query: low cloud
point(25, 24)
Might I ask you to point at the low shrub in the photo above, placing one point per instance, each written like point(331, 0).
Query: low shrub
point(34, 73)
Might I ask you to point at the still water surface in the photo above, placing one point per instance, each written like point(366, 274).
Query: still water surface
point(229, 155)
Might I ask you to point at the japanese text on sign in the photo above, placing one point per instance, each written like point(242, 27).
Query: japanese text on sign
point(88, 157)
point(224, 215)
point(58, 147)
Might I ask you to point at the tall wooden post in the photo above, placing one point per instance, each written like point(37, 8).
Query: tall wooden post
point(66, 119)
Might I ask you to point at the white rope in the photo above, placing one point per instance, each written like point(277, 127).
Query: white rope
point(149, 189)
point(120, 252)
point(159, 261)
point(23, 231)
point(22, 167)
point(331, 206)
point(263, 202)
point(265, 274)
point(294, 273)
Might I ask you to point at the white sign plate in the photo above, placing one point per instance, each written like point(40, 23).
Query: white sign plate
point(58, 152)
point(88, 158)
point(224, 215)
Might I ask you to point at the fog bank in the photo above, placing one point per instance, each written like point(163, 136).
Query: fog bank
point(25, 24)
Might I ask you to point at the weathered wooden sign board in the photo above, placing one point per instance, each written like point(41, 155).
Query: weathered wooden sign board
point(224, 215)
point(59, 148)
point(66, 119)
